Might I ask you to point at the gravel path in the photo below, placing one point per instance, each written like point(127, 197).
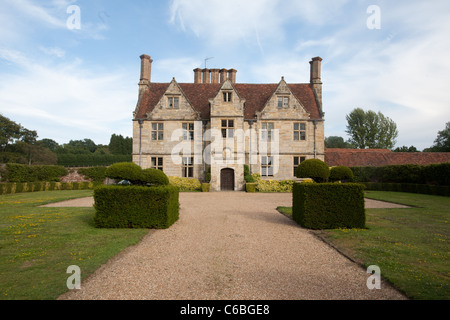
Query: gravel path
point(231, 245)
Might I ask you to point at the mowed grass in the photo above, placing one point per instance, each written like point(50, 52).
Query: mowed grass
point(37, 245)
point(411, 246)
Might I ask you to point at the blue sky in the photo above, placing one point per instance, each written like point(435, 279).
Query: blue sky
point(81, 83)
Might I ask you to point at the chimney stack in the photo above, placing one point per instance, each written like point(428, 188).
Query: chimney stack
point(206, 76)
point(232, 75)
point(223, 75)
point(215, 75)
point(146, 69)
point(198, 75)
point(316, 81)
point(315, 70)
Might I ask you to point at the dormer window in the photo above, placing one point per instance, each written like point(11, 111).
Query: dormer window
point(227, 96)
point(283, 102)
point(174, 102)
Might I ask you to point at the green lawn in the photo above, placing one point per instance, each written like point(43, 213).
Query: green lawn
point(411, 246)
point(37, 245)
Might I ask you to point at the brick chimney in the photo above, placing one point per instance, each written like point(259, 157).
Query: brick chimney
point(198, 75)
point(315, 70)
point(223, 75)
point(215, 75)
point(206, 76)
point(146, 69)
point(316, 81)
point(232, 75)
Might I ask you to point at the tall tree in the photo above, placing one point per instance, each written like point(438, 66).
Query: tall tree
point(442, 142)
point(337, 142)
point(120, 145)
point(9, 132)
point(368, 129)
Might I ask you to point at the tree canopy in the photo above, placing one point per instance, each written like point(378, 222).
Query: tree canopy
point(442, 142)
point(368, 129)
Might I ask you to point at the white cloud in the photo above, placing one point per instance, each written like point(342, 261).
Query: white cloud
point(66, 98)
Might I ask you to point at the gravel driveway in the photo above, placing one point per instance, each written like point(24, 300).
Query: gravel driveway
point(231, 245)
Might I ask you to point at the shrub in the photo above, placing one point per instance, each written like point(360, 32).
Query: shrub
point(153, 177)
point(250, 187)
point(124, 171)
point(341, 173)
point(274, 185)
point(328, 205)
point(206, 187)
point(136, 206)
point(25, 173)
point(97, 174)
point(247, 176)
point(315, 169)
point(185, 184)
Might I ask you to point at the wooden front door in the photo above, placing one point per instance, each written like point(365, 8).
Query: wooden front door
point(227, 180)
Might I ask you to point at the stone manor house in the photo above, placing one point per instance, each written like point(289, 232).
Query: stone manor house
point(216, 125)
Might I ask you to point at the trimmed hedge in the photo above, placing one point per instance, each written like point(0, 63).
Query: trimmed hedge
point(91, 159)
point(328, 205)
point(341, 173)
point(97, 174)
point(315, 169)
point(186, 184)
point(434, 174)
point(409, 187)
point(206, 187)
point(124, 171)
point(26, 173)
point(250, 187)
point(154, 177)
point(20, 187)
point(136, 206)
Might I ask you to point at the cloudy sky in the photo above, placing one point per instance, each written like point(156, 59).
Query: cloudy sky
point(69, 69)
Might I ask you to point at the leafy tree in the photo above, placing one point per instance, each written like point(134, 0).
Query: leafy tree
point(9, 132)
point(442, 142)
point(337, 142)
point(48, 143)
point(406, 149)
point(120, 145)
point(368, 129)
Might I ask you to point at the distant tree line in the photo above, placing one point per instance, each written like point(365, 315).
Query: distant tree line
point(21, 145)
point(371, 130)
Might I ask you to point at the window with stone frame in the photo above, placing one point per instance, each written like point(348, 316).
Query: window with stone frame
point(227, 96)
point(283, 102)
point(227, 128)
point(267, 131)
point(299, 131)
point(188, 167)
point(174, 102)
point(188, 131)
point(157, 163)
point(157, 131)
point(266, 166)
point(297, 161)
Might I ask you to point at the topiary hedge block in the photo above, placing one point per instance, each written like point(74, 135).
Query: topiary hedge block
point(328, 205)
point(136, 206)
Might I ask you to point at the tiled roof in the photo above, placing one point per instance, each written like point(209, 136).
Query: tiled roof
point(255, 95)
point(381, 157)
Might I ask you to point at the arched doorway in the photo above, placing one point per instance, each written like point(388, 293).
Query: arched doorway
point(227, 179)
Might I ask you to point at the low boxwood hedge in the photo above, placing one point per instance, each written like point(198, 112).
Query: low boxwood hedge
point(136, 206)
point(328, 205)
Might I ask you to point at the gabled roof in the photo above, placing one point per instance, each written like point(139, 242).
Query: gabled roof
point(381, 157)
point(255, 95)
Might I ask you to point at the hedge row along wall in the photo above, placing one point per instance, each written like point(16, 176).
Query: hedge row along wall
point(328, 205)
point(19, 187)
point(136, 206)
point(434, 174)
point(24, 173)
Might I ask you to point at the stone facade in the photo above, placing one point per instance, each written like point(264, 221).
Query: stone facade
point(217, 125)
